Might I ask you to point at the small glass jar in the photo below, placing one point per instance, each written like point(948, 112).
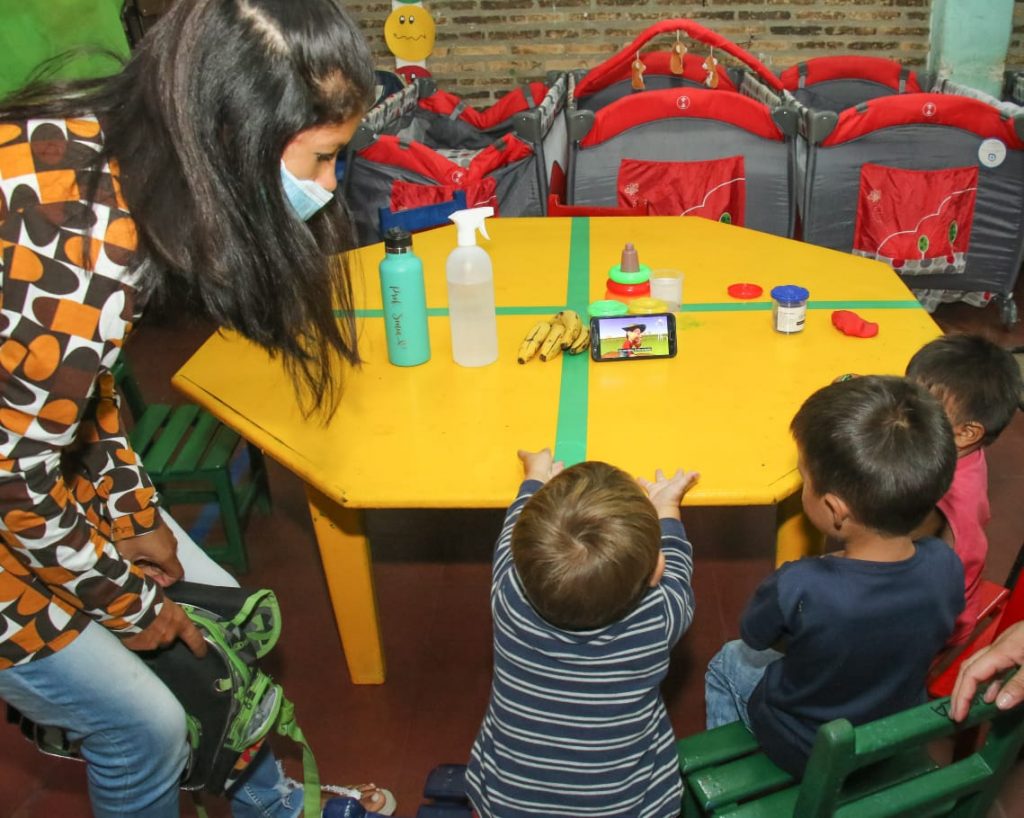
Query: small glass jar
point(789, 308)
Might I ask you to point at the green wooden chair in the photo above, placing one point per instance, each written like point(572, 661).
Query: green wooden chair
point(878, 770)
point(188, 454)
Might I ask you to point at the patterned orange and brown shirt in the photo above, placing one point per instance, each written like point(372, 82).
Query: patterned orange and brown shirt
point(70, 484)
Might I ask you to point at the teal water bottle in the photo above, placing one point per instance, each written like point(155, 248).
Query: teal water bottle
point(404, 300)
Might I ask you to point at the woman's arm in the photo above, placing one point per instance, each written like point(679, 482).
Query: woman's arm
point(58, 324)
point(109, 461)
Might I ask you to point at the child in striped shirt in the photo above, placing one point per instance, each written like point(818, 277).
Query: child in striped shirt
point(590, 591)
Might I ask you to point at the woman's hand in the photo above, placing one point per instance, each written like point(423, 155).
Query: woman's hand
point(155, 552)
point(1006, 652)
point(667, 493)
point(171, 624)
point(539, 465)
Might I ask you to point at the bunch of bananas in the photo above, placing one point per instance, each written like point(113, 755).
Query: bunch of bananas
point(564, 331)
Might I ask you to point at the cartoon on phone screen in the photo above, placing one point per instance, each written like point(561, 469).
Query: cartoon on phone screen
point(627, 338)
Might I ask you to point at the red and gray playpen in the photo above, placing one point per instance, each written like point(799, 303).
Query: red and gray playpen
point(676, 133)
point(926, 176)
point(421, 149)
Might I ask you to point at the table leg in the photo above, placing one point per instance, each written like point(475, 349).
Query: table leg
point(345, 553)
point(795, 537)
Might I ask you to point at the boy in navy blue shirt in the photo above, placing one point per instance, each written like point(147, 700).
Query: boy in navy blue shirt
point(851, 634)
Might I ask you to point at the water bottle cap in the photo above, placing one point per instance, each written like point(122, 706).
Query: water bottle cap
point(397, 240)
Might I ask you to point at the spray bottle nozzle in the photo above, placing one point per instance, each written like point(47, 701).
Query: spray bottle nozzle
point(467, 222)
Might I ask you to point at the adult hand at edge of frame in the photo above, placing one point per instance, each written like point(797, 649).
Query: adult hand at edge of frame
point(1006, 652)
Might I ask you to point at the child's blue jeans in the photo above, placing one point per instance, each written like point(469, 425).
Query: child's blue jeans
point(732, 675)
point(131, 726)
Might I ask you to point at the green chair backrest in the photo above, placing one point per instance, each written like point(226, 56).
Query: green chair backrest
point(33, 31)
point(962, 789)
point(129, 388)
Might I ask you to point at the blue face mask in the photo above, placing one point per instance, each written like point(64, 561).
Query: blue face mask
point(306, 196)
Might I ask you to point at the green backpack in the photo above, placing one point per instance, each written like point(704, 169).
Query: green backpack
point(230, 703)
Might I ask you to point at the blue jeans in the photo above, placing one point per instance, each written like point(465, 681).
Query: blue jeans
point(732, 675)
point(131, 727)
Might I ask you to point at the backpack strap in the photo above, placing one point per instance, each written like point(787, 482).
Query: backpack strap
point(198, 805)
point(288, 727)
point(259, 619)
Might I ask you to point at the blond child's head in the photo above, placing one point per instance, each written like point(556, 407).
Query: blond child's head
point(586, 546)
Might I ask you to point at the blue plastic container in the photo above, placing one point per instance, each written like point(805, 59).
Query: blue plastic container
point(789, 308)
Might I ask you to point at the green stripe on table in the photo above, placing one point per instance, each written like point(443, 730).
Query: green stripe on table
point(579, 303)
point(764, 306)
point(864, 305)
point(442, 312)
point(571, 431)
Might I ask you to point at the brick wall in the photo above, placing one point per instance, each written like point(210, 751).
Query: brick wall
point(485, 47)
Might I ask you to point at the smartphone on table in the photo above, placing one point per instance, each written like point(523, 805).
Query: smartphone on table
point(633, 337)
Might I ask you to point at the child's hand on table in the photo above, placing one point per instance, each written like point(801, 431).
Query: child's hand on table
point(667, 493)
point(539, 465)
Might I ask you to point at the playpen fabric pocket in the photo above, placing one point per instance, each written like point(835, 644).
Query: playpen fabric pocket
point(407, 195)
point(714, 189)
point(918, 221)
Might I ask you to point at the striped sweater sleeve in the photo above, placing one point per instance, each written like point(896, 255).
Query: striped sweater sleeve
point(503, 548)
point(676, 582)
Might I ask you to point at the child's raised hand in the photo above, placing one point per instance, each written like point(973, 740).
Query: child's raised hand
point(667, 493)
point(539, 465)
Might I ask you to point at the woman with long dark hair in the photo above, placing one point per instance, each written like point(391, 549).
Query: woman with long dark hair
point(200, 178)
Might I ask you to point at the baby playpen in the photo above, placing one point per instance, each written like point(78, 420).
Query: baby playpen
point(676, 133)
point(421, 153)
point(927, 176)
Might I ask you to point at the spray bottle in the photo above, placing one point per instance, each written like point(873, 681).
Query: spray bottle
point(470, 276)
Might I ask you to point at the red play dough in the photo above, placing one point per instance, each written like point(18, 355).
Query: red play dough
point(849, 323)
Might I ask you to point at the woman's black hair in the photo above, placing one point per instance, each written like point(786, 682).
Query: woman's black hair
point(196, 123)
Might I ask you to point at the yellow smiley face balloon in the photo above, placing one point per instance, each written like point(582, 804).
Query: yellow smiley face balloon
point(409, 33)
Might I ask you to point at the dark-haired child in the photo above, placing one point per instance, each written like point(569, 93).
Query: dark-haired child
point(850, 634)
point(590, 591)
point(979, 385)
